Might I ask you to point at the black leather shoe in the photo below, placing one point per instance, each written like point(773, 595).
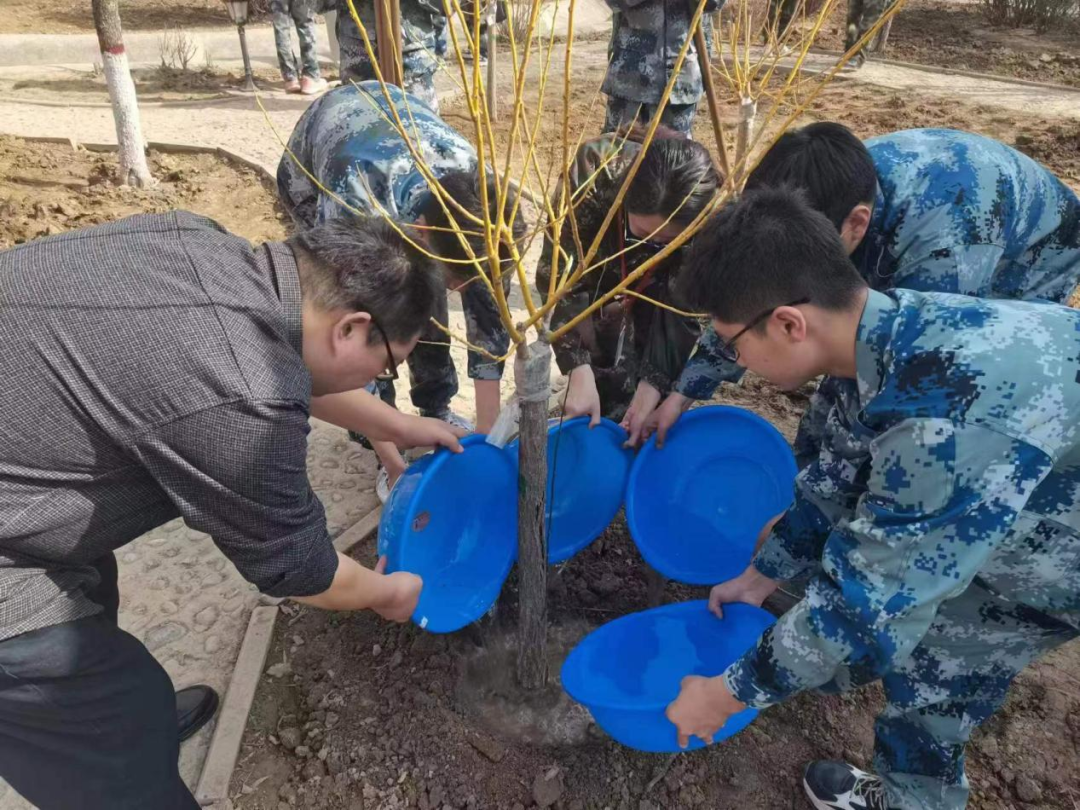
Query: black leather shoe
point(195, 706)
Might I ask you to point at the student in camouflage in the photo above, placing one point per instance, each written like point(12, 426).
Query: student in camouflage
point(944, 547)
point(646, 37)
point(347, 139)
point(935, 210)
point(303, 77)
point(422, 23)
point(623, 360)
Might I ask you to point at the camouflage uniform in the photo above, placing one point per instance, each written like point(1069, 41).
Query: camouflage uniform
point(942, 529)
point(954, 212)
point(655, 342)
point(422, 22)
point(861, 17)
point(300, 12)
point(646, 38)
point(347, 141)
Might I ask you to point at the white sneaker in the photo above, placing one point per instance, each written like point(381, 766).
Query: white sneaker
point(382, 485)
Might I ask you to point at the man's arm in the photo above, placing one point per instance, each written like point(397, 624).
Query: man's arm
point(940, 499)
point(368, 415)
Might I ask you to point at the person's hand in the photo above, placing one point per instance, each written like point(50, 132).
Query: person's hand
point(582, 398)
point(645, 400)
point(666, 415)
point(751, 587)
point(424, 431)
point(702, 708)
point(401, 593)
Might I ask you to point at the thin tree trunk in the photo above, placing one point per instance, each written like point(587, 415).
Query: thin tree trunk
point(492, 56)
point(125, 105)
point(532, 371)
point(744, 134)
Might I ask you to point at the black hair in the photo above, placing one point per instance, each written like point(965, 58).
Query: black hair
point(768, 249)
point(677, 178)
point(826, 161)
point(464, 188)
point(362, 264)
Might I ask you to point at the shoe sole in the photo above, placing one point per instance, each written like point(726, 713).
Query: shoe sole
point(818, 804)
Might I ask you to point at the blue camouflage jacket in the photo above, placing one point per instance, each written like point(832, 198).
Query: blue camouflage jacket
point(954, 212)
point(347, 139)
point(958, 458)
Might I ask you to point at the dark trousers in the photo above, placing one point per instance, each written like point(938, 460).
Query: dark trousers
point(88, 717)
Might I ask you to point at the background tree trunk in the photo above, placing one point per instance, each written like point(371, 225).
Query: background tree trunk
point(125, 106)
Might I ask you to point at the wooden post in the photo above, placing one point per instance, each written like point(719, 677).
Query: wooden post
point(388, 41)
point(125, 104)
point(882, 38)
point(532, 370)
point(710, 95)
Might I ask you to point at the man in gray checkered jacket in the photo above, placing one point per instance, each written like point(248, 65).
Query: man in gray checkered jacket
point(159, 367)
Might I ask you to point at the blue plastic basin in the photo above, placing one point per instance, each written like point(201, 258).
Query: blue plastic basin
point(452, 519)
point(696, 507)
point(586, 482)
point(628, 671)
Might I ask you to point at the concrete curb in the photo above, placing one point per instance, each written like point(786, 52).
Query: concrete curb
point(200, 102)
point(163, 146)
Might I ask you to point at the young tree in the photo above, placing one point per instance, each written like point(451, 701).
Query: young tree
point(133, 168)
point(748, 70)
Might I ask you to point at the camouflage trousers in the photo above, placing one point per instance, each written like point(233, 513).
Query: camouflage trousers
point(622, 111)
point(286, 14)
point(861, 17)
point(356, 67)
point(952, 682)
point(432, 376)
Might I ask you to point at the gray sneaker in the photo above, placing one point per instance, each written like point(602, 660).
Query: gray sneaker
point(839, 786)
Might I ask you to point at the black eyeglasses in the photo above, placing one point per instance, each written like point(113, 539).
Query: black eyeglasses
point(391, 370)
point(727, 349)
point(630, 240)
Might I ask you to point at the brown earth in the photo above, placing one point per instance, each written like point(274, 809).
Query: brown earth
point(50, 188)
point(154, 84)
point(955, 35)
point(74, 16)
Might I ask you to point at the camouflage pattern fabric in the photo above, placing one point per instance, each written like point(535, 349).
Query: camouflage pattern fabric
point(861, 17)
point(654, 342)
point(954, 212)
point(348, 140)
point(646, 38)
point(285, 14)
point(943, 526)
point(422, 23)
point(624, 113)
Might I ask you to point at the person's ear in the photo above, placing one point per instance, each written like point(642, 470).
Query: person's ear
point(791, 321)
point(854, 227)
point(350, 331)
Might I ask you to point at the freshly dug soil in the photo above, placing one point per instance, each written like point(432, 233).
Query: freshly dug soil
point(957, 35)
point(74, 16)
point(51, 188)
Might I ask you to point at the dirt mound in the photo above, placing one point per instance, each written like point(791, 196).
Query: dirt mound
point(50, 188)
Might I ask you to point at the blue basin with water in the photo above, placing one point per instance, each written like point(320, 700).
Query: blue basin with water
point(696, 507)
point(628, 671)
